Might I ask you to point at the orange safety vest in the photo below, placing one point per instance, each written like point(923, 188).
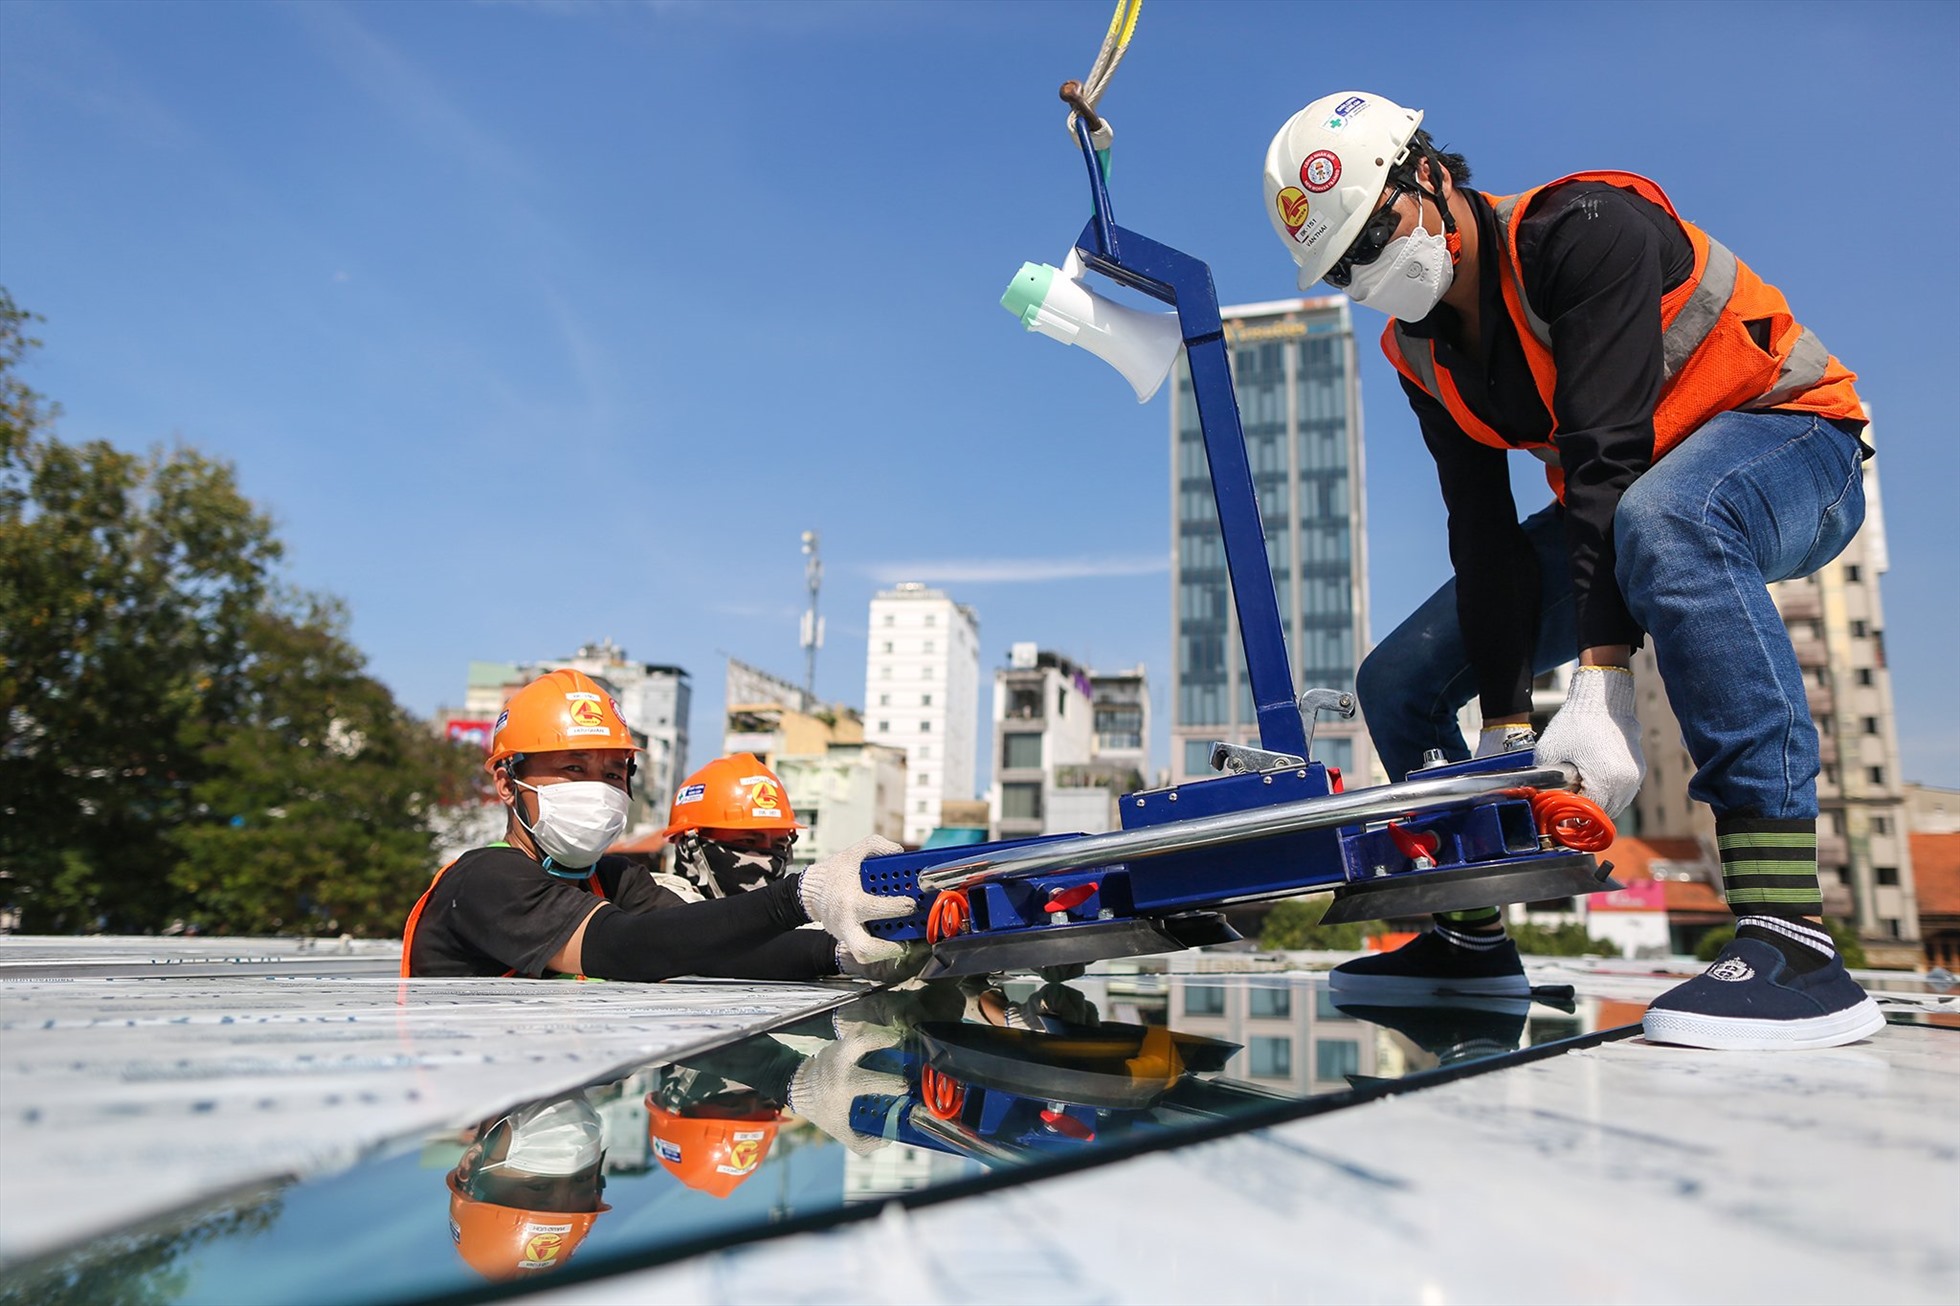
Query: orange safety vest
point(1710, 363)
point(415, 912)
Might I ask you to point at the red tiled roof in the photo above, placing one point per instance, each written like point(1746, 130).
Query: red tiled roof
point(1633, 863)
point(1936, 873)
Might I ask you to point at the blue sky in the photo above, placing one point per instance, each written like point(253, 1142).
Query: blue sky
point(535, 323)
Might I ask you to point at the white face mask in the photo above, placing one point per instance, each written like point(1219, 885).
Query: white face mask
point(555, 1138)
point(577, 820)
point(1409, 278)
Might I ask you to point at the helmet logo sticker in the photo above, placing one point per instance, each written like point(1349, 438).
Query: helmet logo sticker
point(690, 794)
point(744, 1154)
point(764, 798)
point(1292, 205)
point(668, 1151)
point(542, 1243)
point(1320, 171)
point(588, 718)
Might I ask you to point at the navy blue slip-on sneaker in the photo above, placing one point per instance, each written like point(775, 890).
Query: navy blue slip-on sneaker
point(1433, 962)
point(1748, 999)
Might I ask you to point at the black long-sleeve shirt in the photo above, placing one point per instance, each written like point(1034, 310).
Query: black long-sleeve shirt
point(1596, 261)
point(495, 910)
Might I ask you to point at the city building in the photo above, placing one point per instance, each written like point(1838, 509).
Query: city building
point(1120, 702)
point(1932, 810)
point(1292, 1039)
point(1051, 773)
point(841, 787)
point(1293, 362)
point(922, 695)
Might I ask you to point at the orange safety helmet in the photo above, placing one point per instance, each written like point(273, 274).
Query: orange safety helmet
point(710, 1154)
point(558, 712)
point(731, 793)
point(508, 1242)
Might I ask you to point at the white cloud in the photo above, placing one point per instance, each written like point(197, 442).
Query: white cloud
point(1017, 571)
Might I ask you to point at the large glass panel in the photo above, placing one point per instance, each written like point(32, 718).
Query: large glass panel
point(936, 1088)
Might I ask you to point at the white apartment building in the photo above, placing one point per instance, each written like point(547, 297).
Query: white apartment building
point(1062, 754)
point(843, 794)
point(922, 695)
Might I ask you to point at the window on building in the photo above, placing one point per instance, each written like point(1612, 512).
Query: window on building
point(925, 727)
point(925, 751)
point(1885, 874)
point(925, 700)
point(1876, 774)
point(1336, 1058)
point(884, 700)
point(929, 647)
point(1865, 675)
point(925, 779)
point(1270, 1003)
point(1197, 756)
point(890, 620)
point(922, 806)
point(1871, 725)
point(1324, 1008)
point(1860, 629)
point(1881, 825)
point(1204, 1000)
point(884, 673)
point(1020, 802)
point(888, 646)
point(1018, 752)
point(884, 727)
point(1271, 1058)
point(1854, 573)
point(932, 619)
point(1061, 701)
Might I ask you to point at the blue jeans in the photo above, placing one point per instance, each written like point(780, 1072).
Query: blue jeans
point(1747, 499)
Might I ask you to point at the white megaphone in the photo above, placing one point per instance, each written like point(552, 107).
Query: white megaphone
point(1142, 346)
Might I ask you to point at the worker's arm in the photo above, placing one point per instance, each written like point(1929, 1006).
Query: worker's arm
point(693, 939)
point(1596, 261)
point(1496, 570)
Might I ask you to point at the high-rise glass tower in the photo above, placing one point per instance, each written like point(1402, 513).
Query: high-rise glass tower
point(1300, 404)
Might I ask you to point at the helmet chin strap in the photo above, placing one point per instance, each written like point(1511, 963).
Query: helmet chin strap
point(1452, 238)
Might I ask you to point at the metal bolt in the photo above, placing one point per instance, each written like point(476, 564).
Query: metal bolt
point(1302, 774)
point(1380, 871)
point(1139, 802)
point(1173, 797)
point(1431, 757)
point(1266, 779)
point(1105, 915)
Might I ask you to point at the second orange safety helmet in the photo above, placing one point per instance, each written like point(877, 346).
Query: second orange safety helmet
point(507, 1242)
point(710, 1154)
point(731, 793)
point(558, 712)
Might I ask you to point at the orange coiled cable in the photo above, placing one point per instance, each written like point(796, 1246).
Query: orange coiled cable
point(944, 1096)
point(1573, 820)
point(950, 915)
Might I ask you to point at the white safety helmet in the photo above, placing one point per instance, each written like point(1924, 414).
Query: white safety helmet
point(1325, 171)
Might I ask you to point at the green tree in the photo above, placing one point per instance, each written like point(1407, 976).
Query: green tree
point(1294, 924)
point(1568, 940)
point(155, 682)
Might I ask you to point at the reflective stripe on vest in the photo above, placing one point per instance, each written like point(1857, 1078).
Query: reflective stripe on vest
point(1725, 365)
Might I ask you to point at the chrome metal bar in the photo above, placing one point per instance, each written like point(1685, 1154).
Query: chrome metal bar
point(1380, 803)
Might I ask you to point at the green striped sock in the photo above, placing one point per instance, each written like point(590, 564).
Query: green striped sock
point(1479, 920)
point(1769, 868)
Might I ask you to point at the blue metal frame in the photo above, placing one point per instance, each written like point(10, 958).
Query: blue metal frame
point(1185, 284)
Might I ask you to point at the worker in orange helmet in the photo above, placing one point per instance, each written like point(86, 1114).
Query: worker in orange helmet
point(731, 827)
point(528, 1189)
point(545, 899)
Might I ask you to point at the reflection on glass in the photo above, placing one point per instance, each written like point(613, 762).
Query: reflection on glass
point(898, 1091)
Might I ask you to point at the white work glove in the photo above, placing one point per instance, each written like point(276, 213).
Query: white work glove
point(1494, 740)
point(833, 896)
point(1596, 734)
point(825, 1086)
point(911, 959)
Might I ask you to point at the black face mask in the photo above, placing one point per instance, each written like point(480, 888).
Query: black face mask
point(719, 871)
